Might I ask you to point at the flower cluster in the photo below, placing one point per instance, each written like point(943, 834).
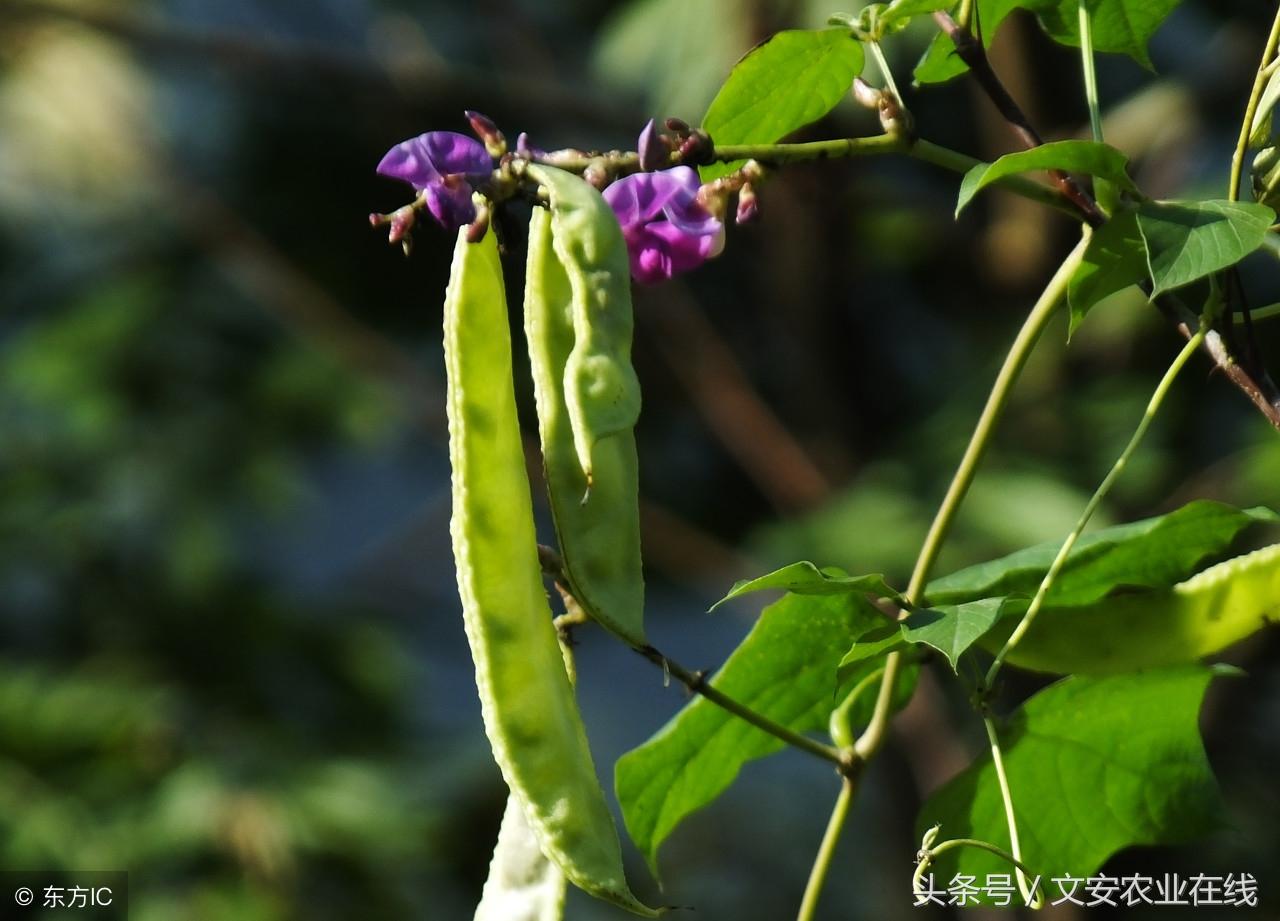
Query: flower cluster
point(441, 166)
point(667, 230)
point(667, 226)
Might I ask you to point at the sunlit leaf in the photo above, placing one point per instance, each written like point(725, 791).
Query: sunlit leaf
point(1115, 259)
point(1153, 553)
point(1086, 157)
point(1119, 26)
point(1187, 240)
point(782, 84)
point(785, 669)
point(804, 578)
point(952, 629)
point(1193, 619)
point(1094, 765)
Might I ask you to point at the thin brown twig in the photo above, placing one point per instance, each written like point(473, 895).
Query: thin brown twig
point(970, 50)
point(697, 681)
point(1260, 390)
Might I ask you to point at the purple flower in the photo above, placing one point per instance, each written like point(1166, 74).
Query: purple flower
point(666, 229)
point(442, 165)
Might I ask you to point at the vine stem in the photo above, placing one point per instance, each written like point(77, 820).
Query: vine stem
point(873, 736)
point(623, 162)
point(1016, 359)
point(822, 862)
point(1037, 603)
point(1251, 110)
point(1090, 74)
point(878, 53)
point(1006, 797)
point(1051, 576)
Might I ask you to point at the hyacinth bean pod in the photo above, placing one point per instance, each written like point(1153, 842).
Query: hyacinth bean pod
point(523, 885)
point(600, 539)
point(526, 698)
point(601, 391)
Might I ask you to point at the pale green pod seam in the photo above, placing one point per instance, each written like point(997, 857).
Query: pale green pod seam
point(599, 540)
point(527, 702)
point(1195, 618)
point(601, 389)
point(523, 885)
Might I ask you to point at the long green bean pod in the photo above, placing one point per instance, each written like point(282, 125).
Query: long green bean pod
point(599, 539)
point(529, 710)
point(602, 393)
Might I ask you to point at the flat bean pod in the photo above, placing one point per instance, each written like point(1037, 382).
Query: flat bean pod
point(526, 699)
point(523, 885)
point(600, 539)
point(602, 393)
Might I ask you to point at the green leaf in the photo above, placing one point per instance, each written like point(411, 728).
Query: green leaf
point(782, 84)
point(940, 62)
point(1187, 240)
point(898, 13)
point(1087, 157)
point(1185, 623)
point(873, 645)
point(805, 578)
point(785, 669)
point(855, 711)
point(1094, 765)
point(1118, 26)
point(1115, 259)
point(1153, 553)
point(952, 629)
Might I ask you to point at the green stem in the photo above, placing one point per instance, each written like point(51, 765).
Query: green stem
point(812, 150)
point(1153, 406)
point(926, 151)
point(1037, 603)
point(621, 163)
point(1045, 307)
point(1258, 314)
point(964, 15)
point(1006, 797)
point(822, 862)
point(1251, 110)
point(840, 724)
point(1090, 75)
point(878, 53)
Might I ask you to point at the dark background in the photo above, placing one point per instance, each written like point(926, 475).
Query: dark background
point(231, 654)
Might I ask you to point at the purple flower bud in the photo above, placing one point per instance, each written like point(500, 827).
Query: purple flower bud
point(494, 141)
point(655, 152)
point(748, 205)
point(442, 165)
point(866, 95)
point(525, 148)
point(666, 230)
